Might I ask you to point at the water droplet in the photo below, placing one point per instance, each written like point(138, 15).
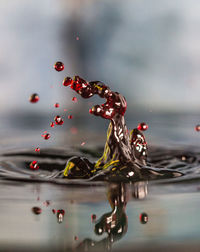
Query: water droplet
point(142, 126)
point(58, 120)
point(46, 136)
point(60, 215)
point(56, 105)
point(59, 66)
point(143, 218)
point(67, 81)
point(74, 99)
point(52, 124)
point(197, 127)
point(37, 149)
point(36, 210)
point(70, 116)
point(34, 165)
point(93, 217)
point(34, 98)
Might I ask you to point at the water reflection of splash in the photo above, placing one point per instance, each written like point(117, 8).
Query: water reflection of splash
point(114, 223)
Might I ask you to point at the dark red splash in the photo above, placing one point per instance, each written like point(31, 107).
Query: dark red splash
point(59, 66)
point(34, 165)
point(34, 98)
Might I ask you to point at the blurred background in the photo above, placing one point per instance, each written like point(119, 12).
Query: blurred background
point(147, 50)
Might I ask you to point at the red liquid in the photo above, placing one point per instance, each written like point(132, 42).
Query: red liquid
point(37, 149)
point(74, 99)
point(52, 124)
point(58, 120)
point(56, 105)
point(36, 210)
point(67, 81)
point(143, 218)
point(197, 128)
point(142, 126)
point(34, 165)
point(70, 116)
point(59, 66)
point(34, 98)
point(46, 136)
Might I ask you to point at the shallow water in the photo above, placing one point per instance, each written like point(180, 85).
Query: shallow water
point(171, 204)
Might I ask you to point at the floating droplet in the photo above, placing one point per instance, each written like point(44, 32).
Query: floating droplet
point(53, 211)
point(60, 215)
point(143, 218)
point(46, 136)
point(56, 105)
point(74, 99)
point(93, 217)
point(34, 165)
point(67, 81)
point(52, 124)
point(76, 238)
point(58, 120)
point(59, 66)
point(70, 116)
point(37, 149)
point(83, 143)
point(142, 126)
point(197, 127)
point(34, 98)
point(36, 210)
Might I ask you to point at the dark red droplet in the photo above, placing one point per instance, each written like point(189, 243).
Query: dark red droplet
point(197, 128)
point(143, 218)
point(46, 136)
point(53, 211)
point(56, 105)
point(52, 124)
point(36, 210)
point(34, 98)
point(76, 238)
point(142, 126)
point(58, 120)
point(74, 99)
point(93, 217)
point(70, 116)
point(34, 165)
point(59, 66)
point(67, 81)
point(37, 149)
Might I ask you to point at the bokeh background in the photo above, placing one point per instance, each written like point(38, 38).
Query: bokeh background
point(147, 50)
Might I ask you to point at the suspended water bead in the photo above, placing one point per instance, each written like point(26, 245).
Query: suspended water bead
point(197, 127)
point(93, 217)
point(34, 165)
point(37, 149)
point(36, 210)
point(59, 66)
point(56, 105)
point(34, 98)
point(142, 126)
point(52, 124)
point(70, 116)
point(74, 99)
point(58, 120)
point(67, 81)
point(46, 136)
point(143, 218)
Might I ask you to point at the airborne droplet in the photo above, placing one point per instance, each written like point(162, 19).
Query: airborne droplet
point(74, 99)
point(143, 218)
point(58, 120)
point(46, 136)
point(37, 149)
point(142, 126)
point(36, 210)
point(34, 165)
point(67, 81)
point(70, 116)
point(197, 127)
point(56, 105)
point(34, 98)
point(59, 66)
